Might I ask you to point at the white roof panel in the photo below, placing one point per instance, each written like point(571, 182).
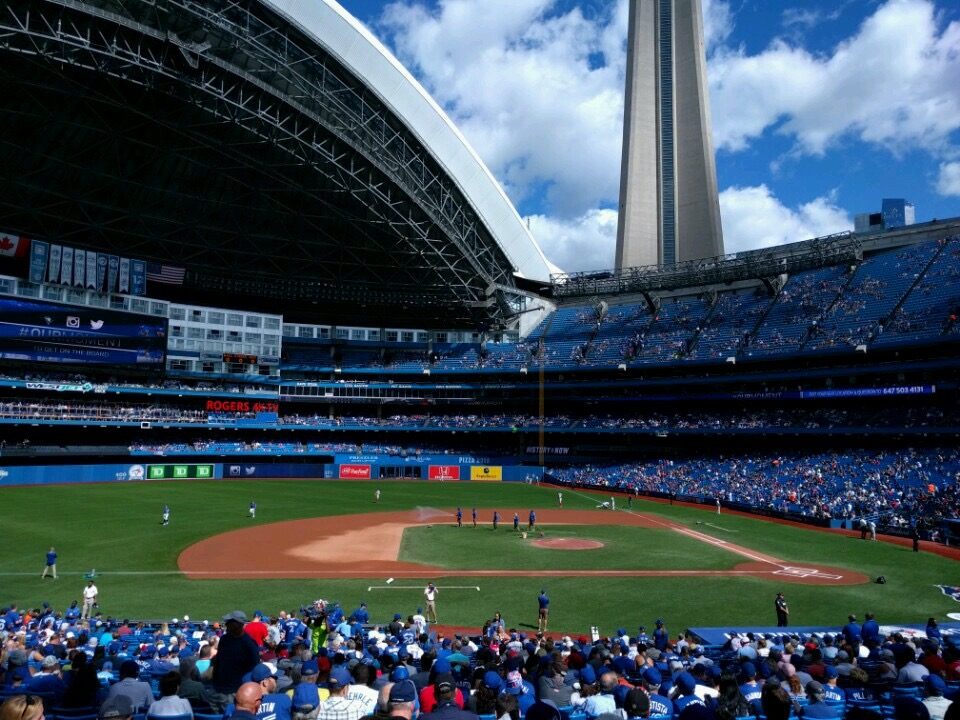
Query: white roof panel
point(346, 38)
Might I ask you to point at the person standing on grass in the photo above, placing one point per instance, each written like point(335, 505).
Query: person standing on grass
point(560, 500)
point(496, 519)
point(430, 593)
point(516, 522)
point(543, 612)
point(51, 566)
point(376, 496)
point(253, 509)
point(783, 612)
point(459, 517)
point(90, 594)
point(474, 517)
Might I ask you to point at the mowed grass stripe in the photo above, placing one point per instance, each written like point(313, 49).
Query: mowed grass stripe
point(624, 548)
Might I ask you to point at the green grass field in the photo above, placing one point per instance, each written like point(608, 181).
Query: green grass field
point(116, 529)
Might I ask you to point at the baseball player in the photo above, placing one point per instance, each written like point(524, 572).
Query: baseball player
point(496, 519)
point(376, 496)
point(166, 514)
point(474, 517)
point(459, 517)
point(253, 509)
point(533, 519)
point(516, 522)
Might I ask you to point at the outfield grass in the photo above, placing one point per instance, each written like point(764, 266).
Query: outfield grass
point(116, 529)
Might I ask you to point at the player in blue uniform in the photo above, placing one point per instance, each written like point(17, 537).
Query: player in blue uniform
point(516, 522)
point(253, 509)
point(474, 517)
point(459, 517)
point(533, 519)
point(496, 519)
point(166, 514)
point(51, 565)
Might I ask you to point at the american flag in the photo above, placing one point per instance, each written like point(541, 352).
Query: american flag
point(169, 274)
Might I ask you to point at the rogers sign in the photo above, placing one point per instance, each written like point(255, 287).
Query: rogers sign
point(241, 406)
point(355, 472)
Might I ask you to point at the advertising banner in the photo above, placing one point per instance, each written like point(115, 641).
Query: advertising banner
point(181, 472)
point(355, 472)
point(486, 473)
point(444, 472)
point(66, 266)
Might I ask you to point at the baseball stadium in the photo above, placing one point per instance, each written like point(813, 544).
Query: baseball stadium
point(271, 332)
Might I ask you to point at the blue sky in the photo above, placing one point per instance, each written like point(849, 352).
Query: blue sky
point(820, 108)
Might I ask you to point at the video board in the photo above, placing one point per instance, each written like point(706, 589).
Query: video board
point(39, 331)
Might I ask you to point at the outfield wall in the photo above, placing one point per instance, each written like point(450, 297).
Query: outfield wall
point(346, 467)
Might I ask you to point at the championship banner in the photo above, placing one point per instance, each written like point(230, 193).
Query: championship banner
point(92, 270)
point(113, 267)
point(54, 272)
point(355, 472)
point(486, 473)
point(138, 277)
point(101, 270)
point(39, 251)
point(79, 266)
point(124, 275)
point(66, 266)
point(443, 472)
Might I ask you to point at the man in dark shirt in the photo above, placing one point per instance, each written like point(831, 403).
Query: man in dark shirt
point(237, 654)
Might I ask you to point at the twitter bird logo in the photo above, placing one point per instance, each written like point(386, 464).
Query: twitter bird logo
point(96, 324)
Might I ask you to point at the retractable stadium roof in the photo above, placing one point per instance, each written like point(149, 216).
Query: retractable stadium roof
point(273, 148)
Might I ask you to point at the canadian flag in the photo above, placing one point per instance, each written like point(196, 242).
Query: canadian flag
point(13, 246)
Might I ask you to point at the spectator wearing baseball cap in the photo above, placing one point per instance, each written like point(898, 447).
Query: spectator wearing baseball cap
point(817, 709)
point(637, 704)
point(441, 675)
point(684, 694)
point(935, 702)
point(237, 655)
point(831, 692)
point(338, 706)
point(448, 701)
point(514, 684)
point(118, 707)
point(401, 699)
point(602, 702)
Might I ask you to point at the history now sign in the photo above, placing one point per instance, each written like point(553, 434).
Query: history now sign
point(355, 472)
point(444, 472)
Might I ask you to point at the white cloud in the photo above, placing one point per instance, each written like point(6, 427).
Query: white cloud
point(948, 183)
point(583, 243)
point(893, 84)
point(754, 218)
point(537, 89)
point(538, 93)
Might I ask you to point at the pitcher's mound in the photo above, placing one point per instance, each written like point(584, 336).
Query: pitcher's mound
point(568, 544)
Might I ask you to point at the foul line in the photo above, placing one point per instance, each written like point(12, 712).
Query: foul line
point(717, 527)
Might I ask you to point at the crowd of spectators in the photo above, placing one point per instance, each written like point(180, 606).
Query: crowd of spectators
point(324, 663)
point(895, 487)
point(798, 417)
